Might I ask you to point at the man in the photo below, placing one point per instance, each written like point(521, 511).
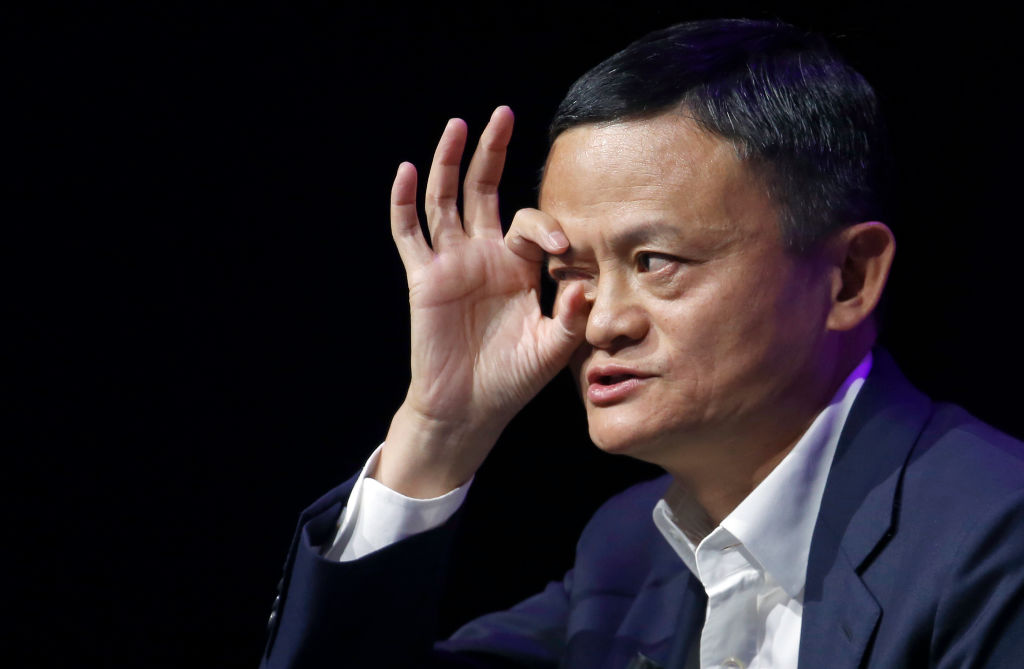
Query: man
point(710, 210)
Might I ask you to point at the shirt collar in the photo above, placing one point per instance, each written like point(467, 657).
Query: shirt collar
point(774, 523)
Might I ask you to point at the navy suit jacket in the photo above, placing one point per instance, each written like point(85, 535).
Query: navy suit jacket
point(917, 560)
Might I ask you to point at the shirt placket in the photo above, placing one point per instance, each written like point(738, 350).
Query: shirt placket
point(730, 635)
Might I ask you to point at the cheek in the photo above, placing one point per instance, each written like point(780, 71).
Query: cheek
point(709, 343)
point(691, 326)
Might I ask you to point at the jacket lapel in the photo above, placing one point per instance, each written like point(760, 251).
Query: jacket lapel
point(840, 614)
point(691, 621)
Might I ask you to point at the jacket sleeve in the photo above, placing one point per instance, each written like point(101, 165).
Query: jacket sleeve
point(380, 610)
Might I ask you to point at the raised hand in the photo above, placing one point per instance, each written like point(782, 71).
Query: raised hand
point(481, 348)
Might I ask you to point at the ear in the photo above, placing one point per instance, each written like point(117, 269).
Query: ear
point(862, 255)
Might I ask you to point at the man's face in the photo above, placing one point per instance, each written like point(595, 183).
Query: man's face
point(704, 331)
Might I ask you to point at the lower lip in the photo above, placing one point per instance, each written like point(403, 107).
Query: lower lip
point(605, 395)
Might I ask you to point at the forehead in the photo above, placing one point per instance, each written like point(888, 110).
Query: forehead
point(664, 170)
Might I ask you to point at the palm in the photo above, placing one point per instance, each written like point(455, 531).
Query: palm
point(476, 331)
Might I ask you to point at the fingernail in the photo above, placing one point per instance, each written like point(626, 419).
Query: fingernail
point(558, 239)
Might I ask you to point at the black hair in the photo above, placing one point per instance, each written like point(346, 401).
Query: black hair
point(807, 122)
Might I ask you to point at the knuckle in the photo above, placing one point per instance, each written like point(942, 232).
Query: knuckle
point(438, 200)
point(521, 220)
point(482, 186)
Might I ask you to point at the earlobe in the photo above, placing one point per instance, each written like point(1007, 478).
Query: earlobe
point(863, 254)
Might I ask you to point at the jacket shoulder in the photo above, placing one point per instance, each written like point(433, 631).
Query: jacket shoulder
point(620, 546)
point(960, 457)
point(628, 513)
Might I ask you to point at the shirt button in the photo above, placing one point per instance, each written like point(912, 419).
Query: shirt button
point(733, 663)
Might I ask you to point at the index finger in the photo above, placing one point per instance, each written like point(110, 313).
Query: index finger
point(534, 234)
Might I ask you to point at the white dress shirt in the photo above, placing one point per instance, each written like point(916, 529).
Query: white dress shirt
point(752, 565)
point(376, 516)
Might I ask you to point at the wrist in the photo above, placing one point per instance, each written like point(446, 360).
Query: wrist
point(424, 457)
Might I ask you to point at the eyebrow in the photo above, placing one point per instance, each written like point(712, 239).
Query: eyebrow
point(628, 237)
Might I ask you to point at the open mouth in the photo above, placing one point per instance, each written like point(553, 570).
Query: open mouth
point(608, 389)
point(612, 379)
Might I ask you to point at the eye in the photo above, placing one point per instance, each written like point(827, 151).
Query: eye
point(654, 262)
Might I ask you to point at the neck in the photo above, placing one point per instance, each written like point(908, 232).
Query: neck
point(718, 475)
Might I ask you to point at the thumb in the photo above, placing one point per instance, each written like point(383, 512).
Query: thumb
point(564, 331)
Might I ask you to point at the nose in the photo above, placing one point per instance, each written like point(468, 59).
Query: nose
point(616, 319)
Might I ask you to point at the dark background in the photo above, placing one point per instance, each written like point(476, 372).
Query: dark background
point(211, 320)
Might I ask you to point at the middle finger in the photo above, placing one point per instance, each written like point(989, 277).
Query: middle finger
point(441, 198)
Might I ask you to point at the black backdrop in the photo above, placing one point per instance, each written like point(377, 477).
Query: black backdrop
point(212, 321)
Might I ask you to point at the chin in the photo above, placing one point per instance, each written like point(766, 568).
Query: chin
point(644, 436)
point(618, 439)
